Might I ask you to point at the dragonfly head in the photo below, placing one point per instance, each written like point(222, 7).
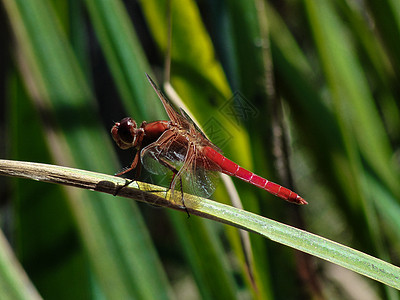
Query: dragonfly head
point(124, 133)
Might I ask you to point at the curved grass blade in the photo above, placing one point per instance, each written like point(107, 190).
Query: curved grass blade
point(14, 283)
point(284, 234)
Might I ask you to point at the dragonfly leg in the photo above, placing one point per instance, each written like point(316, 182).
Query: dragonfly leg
point(133, 165)
point(120, 187)
point(173, 182)
point(183, 202)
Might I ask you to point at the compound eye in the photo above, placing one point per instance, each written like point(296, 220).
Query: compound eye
point(125, 131)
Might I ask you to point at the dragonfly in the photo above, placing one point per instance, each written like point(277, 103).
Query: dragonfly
point(179, 146)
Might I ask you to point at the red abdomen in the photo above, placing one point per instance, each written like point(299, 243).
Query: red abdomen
point(232, 169)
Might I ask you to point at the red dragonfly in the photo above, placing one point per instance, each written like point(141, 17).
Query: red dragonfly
point(180, 146)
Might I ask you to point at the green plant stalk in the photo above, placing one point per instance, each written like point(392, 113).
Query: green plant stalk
point(14, 283)
point(301, 240)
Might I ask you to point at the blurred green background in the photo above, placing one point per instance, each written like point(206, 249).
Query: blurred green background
point(310, 84)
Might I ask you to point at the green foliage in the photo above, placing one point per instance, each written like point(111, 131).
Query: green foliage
point(79, 65)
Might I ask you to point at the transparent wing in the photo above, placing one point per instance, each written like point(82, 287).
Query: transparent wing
point(191, 122)
point(166, 154)
point(195, 173)
point(198, 174)
point(205, 140)
point(171, 112)
point(182, 119)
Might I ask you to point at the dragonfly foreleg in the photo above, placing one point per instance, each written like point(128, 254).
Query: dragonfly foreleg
point(133, 166)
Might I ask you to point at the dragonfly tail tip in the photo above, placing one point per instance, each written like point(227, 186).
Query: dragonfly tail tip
point(300, 200)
